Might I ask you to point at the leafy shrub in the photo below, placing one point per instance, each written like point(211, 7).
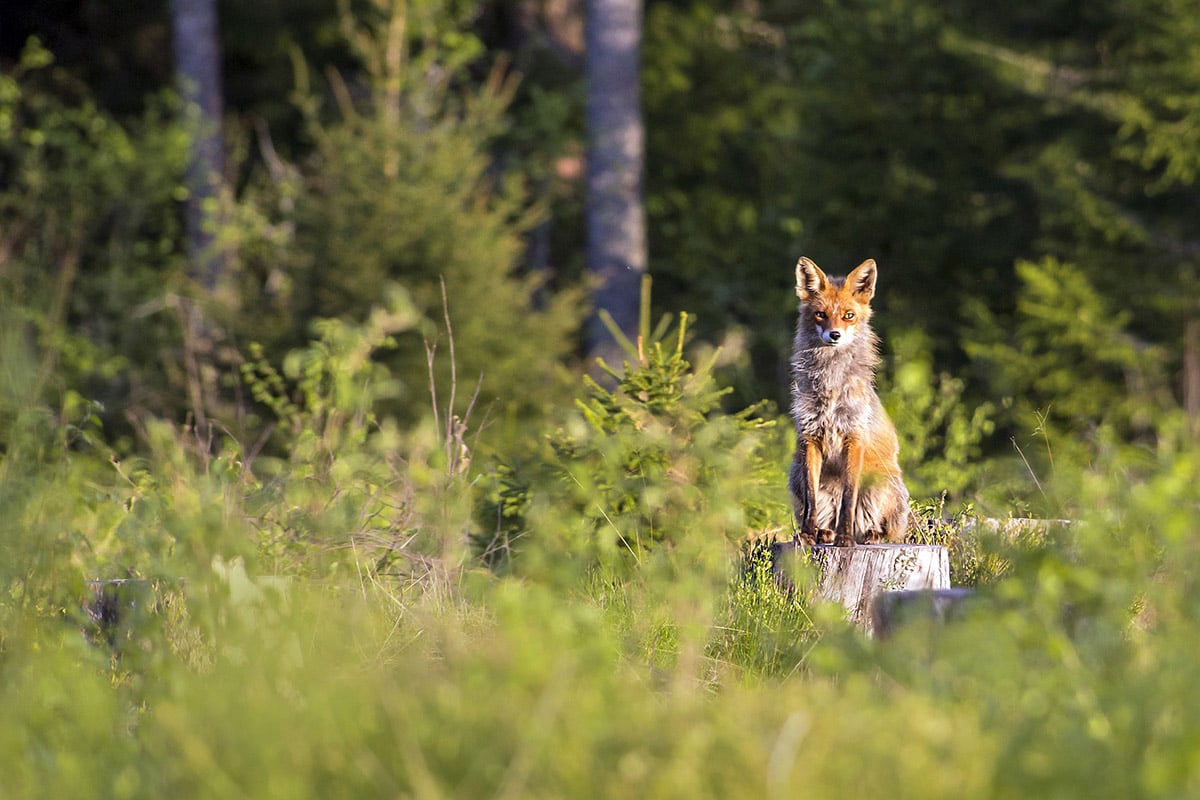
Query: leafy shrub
point(648, 465)
point(941, 433)
point(352, 482)
point(89, 233)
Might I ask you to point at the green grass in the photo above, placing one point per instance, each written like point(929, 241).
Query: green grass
point(472, 685)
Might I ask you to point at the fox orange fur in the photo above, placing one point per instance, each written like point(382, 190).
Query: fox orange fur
point(845, 480)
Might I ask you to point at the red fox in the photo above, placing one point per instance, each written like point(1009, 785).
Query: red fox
point(845, 479)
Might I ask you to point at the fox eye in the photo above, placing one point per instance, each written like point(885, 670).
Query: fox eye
point(848, 316)
point(819, 315)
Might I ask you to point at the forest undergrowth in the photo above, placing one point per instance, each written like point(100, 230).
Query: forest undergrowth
point(370, 612)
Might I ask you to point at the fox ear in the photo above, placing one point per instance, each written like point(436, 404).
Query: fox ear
point(862, 279)
point(810, 279)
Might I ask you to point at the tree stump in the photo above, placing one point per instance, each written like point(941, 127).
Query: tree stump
point(111, 605)
point(892, 609)
point(855, 576)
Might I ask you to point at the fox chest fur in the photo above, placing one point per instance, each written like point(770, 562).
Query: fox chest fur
point(833, 390)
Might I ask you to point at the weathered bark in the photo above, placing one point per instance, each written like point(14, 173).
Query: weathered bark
point(855, 576)
point(892, 609)
point(198, 69)
point(616, 225)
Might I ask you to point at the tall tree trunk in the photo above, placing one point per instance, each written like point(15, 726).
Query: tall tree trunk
point(616, 222)
point(1191, 374)
point(198, 66)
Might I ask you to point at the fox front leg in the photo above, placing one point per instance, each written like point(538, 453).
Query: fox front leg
point(805, 480)
point(802, 504)
point(850, 488)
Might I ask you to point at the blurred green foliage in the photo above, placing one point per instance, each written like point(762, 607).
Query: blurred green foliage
point(1066, 363)
point(941, 432)
point(89, 232)
point(640, 467)
point(399, 187)
point(552, 680)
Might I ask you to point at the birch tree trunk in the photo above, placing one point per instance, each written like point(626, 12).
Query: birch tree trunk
point(616, 223)
point(198, 70)
point(198, 67)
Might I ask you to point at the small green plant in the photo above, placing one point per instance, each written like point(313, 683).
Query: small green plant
point(975, 559)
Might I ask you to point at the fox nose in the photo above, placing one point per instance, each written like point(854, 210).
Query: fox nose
point(835, 335)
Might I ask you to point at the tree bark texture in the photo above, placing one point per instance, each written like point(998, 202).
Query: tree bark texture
point(616, 223)
point(198, 67)
point(893, 609)
point(855, 576)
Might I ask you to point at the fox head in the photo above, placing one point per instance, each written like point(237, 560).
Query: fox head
point(836, 308)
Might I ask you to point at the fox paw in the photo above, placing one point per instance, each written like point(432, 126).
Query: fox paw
point(844, 540)
point(874, 537)
point(826, 536)
point(806, 539)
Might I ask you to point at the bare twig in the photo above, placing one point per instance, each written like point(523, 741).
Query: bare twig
point(68, 267)
point(430, 350)
point(341, 93)
point(453, 360)
point(1032, 474)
